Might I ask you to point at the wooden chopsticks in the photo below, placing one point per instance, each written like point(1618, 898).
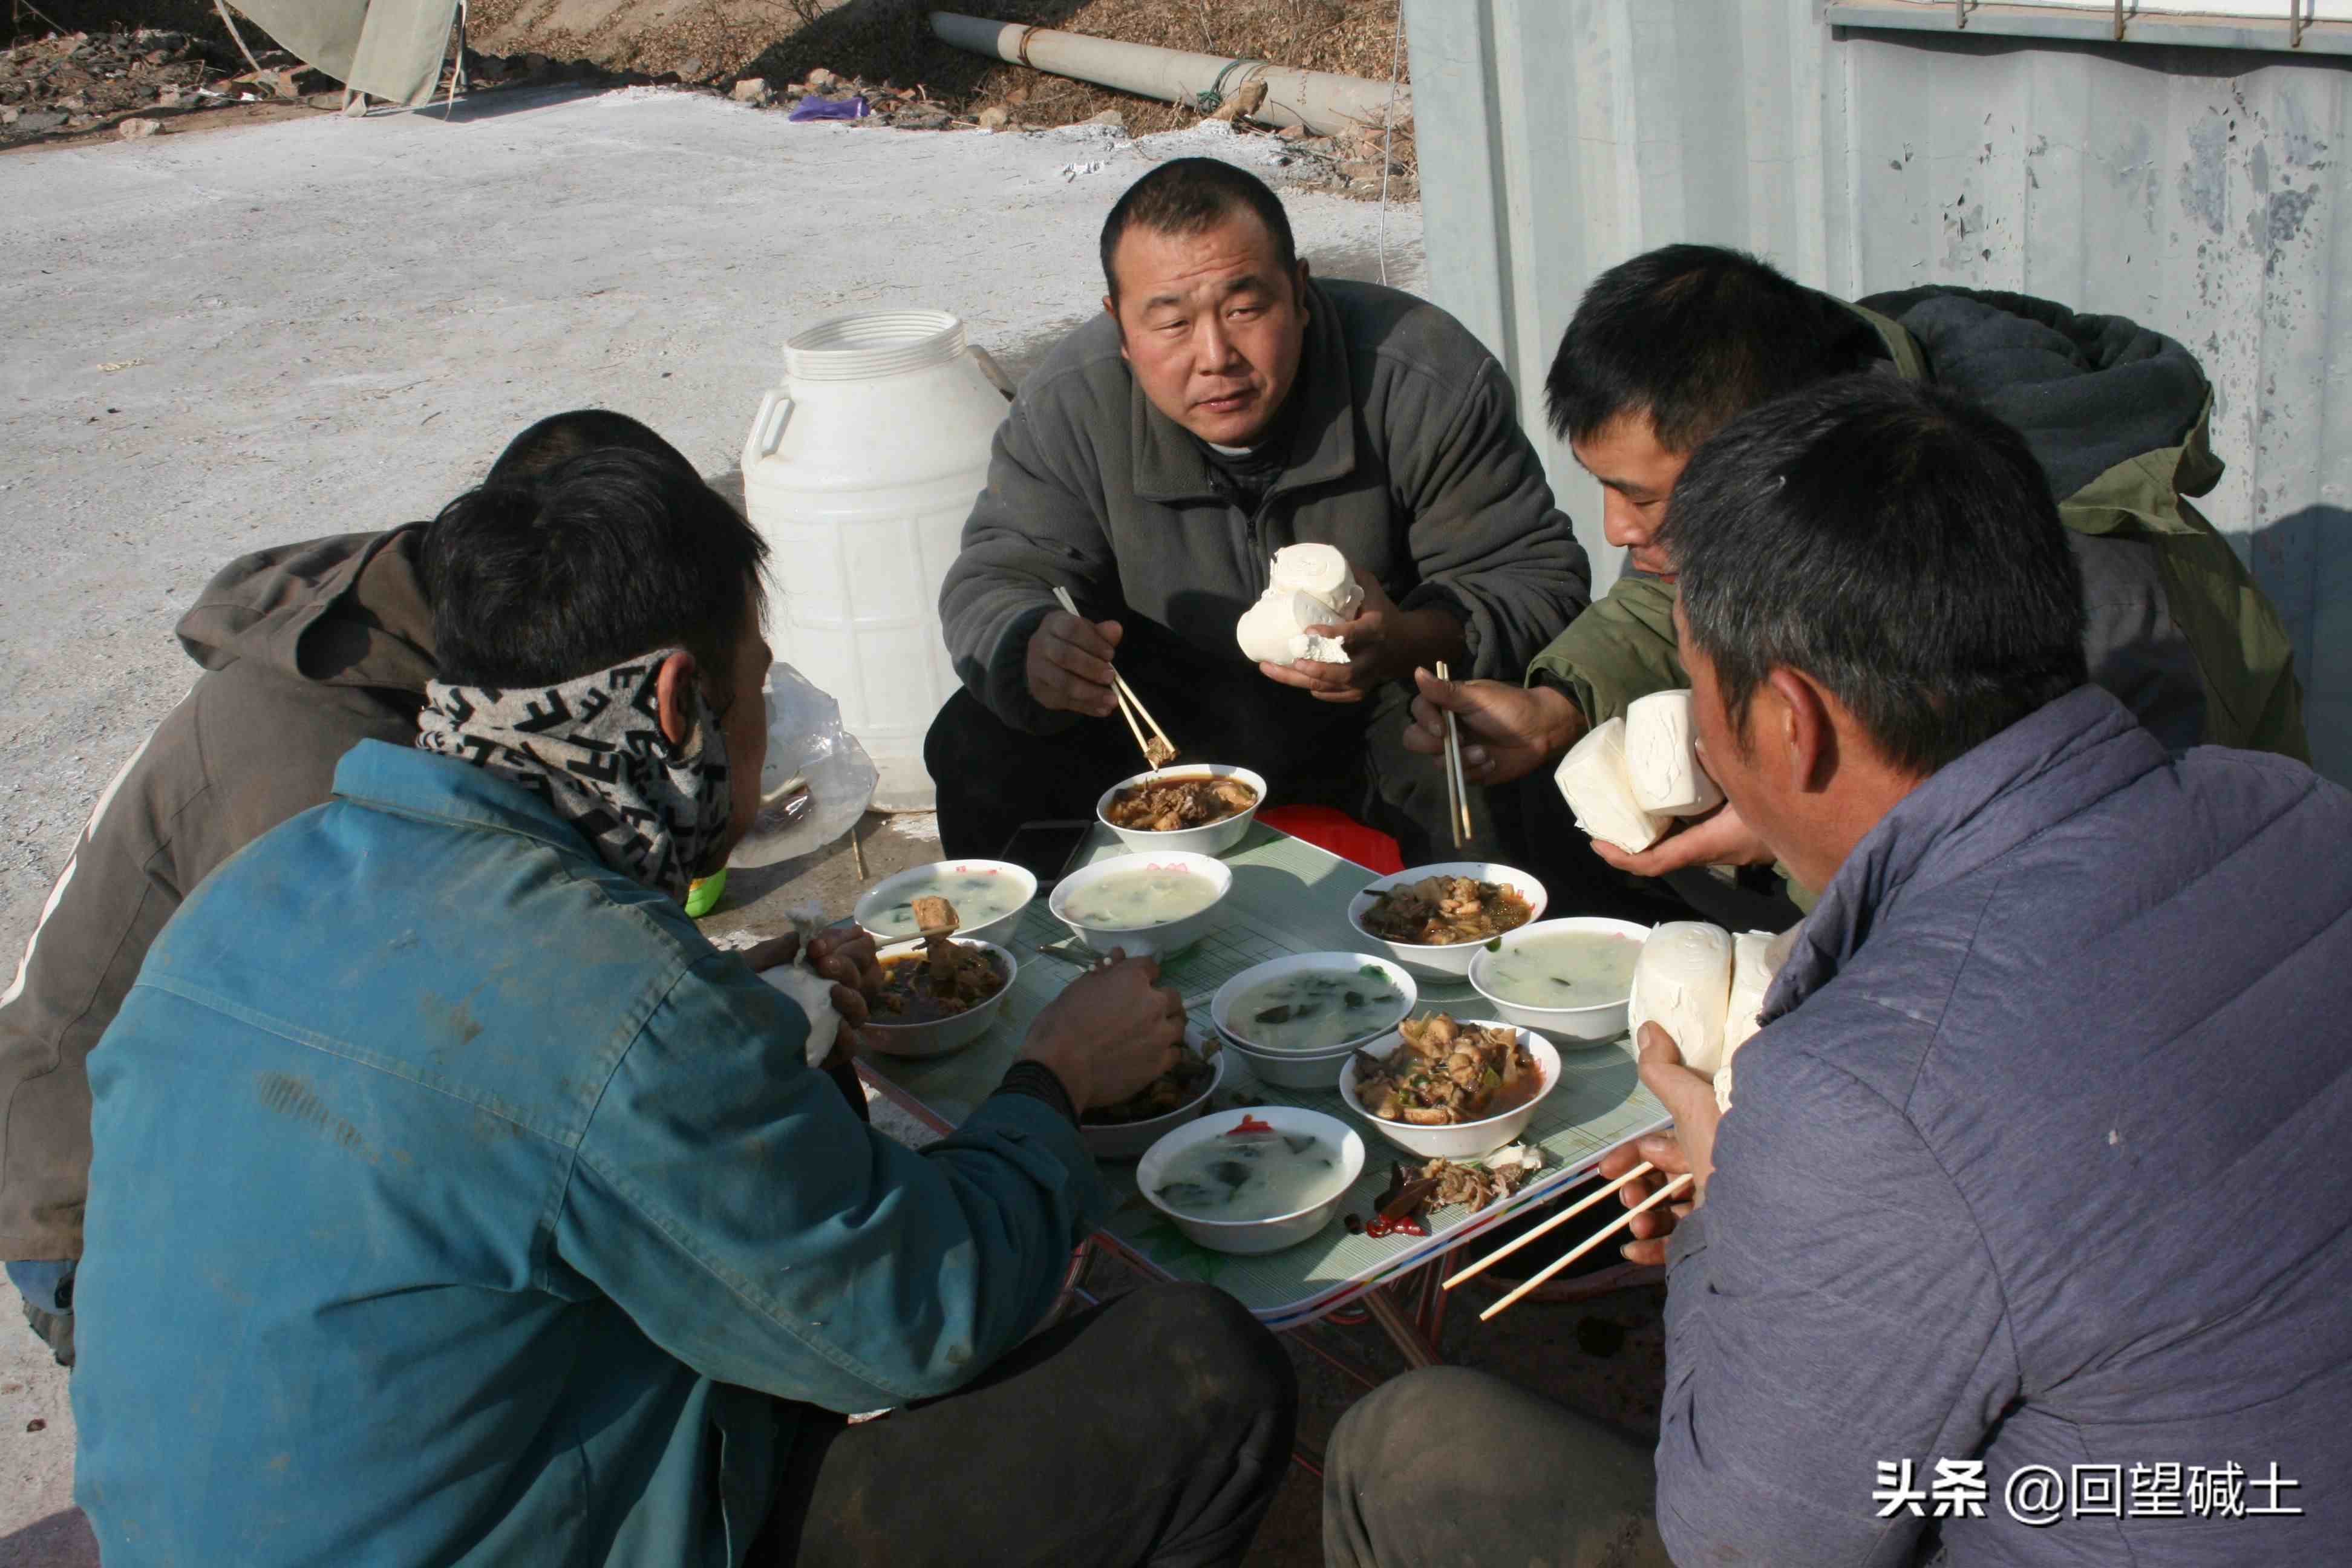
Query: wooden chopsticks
point(1158, 750)
point(1457, 791)
point(1562, 1217)
point(1595, 1239)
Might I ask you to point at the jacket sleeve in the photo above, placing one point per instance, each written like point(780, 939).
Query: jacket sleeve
point(1485, 537)
point(242, 753)
point(1831, 1308)
point(1039, 523)
point(1620, 649)
point(726, 1199)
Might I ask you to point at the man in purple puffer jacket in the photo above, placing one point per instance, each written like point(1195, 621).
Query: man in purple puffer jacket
point(2024, 1238)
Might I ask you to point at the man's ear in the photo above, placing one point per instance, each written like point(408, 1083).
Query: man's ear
point(674, 697)
point(1805, 737)
point(1110, 309)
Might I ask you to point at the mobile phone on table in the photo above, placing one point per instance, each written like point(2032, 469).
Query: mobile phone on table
point(1049, 850)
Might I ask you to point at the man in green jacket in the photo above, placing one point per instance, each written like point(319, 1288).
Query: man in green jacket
point(1665, 349)
point(1223, 406)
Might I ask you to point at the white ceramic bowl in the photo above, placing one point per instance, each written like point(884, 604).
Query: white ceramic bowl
point(892, 891)
point(1321, 1072)
point(1254, 1236)
point(1139, 940)
point(1128, 1140)
point(940, 1036)
point(1562, 1026)
point(1463, 1140)
point(1319, 1067)
point(1209, 838)
point(1449, 961)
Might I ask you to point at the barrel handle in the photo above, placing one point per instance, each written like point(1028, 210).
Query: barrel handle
point(767, 427)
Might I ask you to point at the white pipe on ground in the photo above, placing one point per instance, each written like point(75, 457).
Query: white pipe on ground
point(1323, 101)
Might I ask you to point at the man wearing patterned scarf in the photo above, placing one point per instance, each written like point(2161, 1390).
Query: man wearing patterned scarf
point(506, 1218)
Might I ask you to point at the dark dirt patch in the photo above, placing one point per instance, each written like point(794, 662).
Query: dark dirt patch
point(885, 50)
point(67, 86)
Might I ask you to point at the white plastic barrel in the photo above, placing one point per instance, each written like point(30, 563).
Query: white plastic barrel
point(860, 470)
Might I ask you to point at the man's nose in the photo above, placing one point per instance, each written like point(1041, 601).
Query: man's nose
point(1214, 345)
point(1621, 523)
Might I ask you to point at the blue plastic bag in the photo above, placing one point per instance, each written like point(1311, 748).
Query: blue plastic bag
point(815, 108)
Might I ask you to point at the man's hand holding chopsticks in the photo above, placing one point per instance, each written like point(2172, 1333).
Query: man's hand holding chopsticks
point(1069, 664)
point(1507, 732)
point(1688, 1150)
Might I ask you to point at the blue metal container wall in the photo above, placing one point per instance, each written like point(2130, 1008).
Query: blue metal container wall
point(2193, 190)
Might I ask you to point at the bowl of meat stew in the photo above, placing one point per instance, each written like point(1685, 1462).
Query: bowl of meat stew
point(1203, 808)
point(1452, 1089)
point(1433, 920)
point(921, 1011)
point(1124, 1131)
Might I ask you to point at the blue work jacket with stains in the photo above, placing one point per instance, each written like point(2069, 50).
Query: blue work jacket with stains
point(455, 1201)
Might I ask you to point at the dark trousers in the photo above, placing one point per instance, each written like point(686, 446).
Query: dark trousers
point(991, 777)
point(1155, 1428)
point(1450, 1466)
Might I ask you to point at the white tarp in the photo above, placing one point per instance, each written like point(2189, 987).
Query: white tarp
point(391, 49)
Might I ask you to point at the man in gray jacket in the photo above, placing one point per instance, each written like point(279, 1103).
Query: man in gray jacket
point(1223, 407)
point(2023, 1240)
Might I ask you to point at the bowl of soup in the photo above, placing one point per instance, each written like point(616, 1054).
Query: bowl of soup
point(1157, 904)
point(1253, 1181)
point(1568, 980)
point(1296, 1020)
point(990, 897)
point(1203, 808)
point(1434, 920)
point(912, 1015)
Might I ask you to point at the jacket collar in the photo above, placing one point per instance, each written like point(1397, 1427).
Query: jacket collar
point(2035, 773)
point(1171, 467)
point(409, 782)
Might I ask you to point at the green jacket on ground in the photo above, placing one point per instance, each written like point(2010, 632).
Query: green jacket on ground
point(2117, 417)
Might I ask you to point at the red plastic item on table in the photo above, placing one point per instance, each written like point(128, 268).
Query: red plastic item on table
point(1335, 831)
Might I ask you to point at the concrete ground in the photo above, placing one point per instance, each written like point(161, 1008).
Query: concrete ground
point(225, 340)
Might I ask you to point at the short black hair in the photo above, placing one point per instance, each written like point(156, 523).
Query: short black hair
point(1897, 544)
point(610, 554)
point(1187, 196)
point(1693, 336)
point(563, 435)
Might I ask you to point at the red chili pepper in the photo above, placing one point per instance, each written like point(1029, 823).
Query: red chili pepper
point(1403, 1225)
point(1248, 1124)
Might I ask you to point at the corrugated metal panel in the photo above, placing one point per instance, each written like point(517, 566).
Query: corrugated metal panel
point(2192, 190)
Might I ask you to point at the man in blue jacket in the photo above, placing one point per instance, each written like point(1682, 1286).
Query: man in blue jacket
point(2023, 1240)
point(455, 1201)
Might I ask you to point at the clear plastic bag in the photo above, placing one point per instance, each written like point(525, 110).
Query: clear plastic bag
point(806, 741)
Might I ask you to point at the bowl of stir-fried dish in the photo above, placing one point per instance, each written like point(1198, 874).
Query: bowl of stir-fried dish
point(1452, 1089)
point(1124, 1131)
point(1203, 809)
point(938, 995)
point(1433, 920)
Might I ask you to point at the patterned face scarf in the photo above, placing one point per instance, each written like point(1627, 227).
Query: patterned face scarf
point(592, 749)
